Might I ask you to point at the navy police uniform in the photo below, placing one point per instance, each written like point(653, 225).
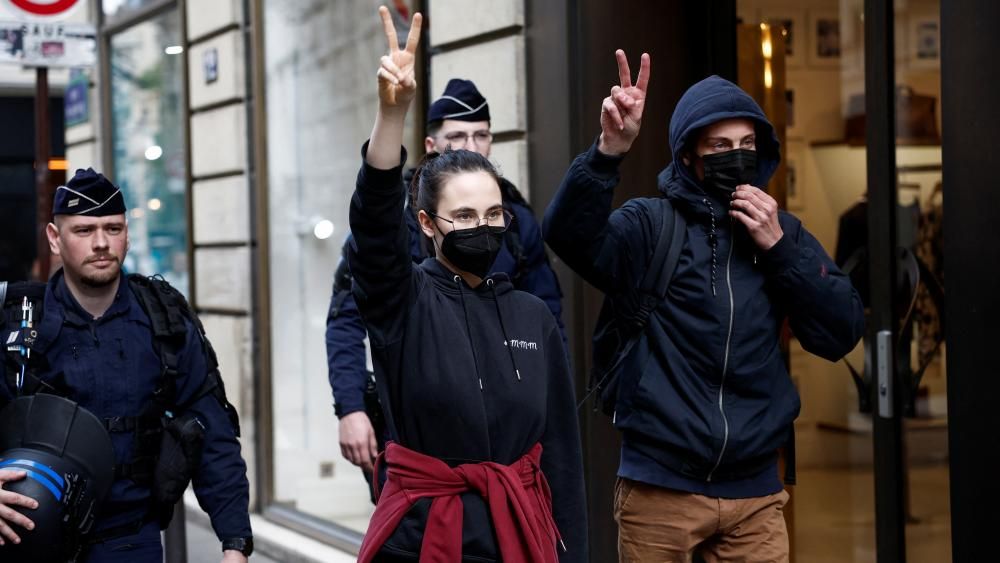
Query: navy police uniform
point(111, 367)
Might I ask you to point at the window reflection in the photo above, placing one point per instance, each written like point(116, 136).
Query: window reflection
point(148, 146)
point(113, 8)
point(321, 101)
point(810, 78)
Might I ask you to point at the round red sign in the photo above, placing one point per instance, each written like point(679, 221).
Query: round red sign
point(37, 8)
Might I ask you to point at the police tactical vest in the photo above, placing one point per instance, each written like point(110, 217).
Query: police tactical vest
point(161, 430)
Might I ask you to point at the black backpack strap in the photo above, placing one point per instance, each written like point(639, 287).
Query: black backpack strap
point(167, 311)
point(667, 252)
point(656, 279)
point(158, 301)
point(172, 309)
point(651, 292)
point(169, 333)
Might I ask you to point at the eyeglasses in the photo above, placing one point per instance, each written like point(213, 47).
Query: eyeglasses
point(461, 138)
point(465, 220)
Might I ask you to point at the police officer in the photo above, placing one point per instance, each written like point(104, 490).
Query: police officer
point(100, 350)
point(459, 119)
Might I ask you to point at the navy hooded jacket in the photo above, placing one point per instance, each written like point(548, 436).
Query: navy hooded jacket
point(527, 267)
point(705, 400)
point(452, 386)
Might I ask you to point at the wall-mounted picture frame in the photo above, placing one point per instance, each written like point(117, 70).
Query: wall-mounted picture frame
point(791, 25)
point(901, 31)
point(852, 43)
point(794, 199)
point(924, 41)
point(824, 39)
point(790, 121)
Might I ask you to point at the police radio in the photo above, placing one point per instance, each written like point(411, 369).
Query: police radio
point(20, 306)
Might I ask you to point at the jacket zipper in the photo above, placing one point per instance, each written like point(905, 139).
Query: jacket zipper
point(725, 361)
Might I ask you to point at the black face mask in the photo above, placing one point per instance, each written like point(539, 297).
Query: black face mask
point(726, 170)
point(473, 250)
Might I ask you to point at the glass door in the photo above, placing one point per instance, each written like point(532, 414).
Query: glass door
point(871, 454)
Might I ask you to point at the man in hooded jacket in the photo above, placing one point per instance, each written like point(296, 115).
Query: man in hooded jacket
point(705, 401)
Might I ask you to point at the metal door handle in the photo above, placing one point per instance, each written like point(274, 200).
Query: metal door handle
point(884, 371)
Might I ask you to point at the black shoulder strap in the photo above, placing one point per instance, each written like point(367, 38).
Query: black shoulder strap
point(656, 280)
point(168, 333)
point(161, 303)
point(167, 310)
point(666, 254)
point(651, 292)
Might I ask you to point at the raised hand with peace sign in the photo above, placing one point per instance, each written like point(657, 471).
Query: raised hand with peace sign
point(396, 88)
point(396, 83)
point(621, 112)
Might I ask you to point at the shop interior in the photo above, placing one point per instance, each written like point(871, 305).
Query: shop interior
point(804, 61)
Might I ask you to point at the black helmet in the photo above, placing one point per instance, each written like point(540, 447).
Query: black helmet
point(70, 465)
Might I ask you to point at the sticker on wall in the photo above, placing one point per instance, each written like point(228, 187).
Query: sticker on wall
point(76, 106)
point(210, 65)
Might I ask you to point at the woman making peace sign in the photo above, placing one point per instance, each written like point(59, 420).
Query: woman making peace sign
point(472, 373)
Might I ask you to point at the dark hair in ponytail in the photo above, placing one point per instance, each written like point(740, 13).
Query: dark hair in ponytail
point(436, 168)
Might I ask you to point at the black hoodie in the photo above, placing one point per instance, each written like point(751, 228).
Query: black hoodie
point(454, 388)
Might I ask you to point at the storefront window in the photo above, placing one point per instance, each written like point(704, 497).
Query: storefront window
point(321, 59)
point(148, 145)
point(115, 8)
point(805, 63)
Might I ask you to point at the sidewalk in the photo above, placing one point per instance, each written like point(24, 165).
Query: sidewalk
point(203, 546)
point(273, 543)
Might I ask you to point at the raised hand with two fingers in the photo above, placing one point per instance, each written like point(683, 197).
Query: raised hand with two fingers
point(621, 112)
point(397, 83)
point(397, 86)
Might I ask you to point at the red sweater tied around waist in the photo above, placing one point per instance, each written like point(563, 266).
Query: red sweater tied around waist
point(518, 497)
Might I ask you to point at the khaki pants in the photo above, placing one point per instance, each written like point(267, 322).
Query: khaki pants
point(657, 525)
